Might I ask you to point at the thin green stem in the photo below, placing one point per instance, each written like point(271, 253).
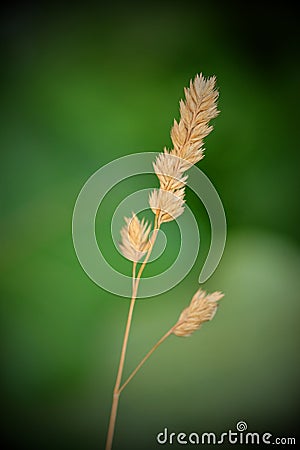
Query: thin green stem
point(153, 239)
point(116, 393)
point(165, 336)
point(133, 276)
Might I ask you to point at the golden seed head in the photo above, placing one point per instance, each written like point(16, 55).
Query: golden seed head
point(169, 171)
point(201, 309)
point(167, 205)
point(134, 238)
point(199, 107)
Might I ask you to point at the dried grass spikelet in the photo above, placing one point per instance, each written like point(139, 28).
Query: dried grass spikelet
point(168, 169)
point(199, 107)
point(135, 238)
point(166, 205)
point(201, 309)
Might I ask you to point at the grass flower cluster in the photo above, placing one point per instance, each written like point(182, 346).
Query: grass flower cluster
point(167, 203)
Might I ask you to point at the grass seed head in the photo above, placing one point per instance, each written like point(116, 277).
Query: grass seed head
point(134, 238)
point(201, 309)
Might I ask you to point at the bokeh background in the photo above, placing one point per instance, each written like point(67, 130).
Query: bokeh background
point(82, 85)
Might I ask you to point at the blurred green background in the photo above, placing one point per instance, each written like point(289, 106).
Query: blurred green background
point(81, 86)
